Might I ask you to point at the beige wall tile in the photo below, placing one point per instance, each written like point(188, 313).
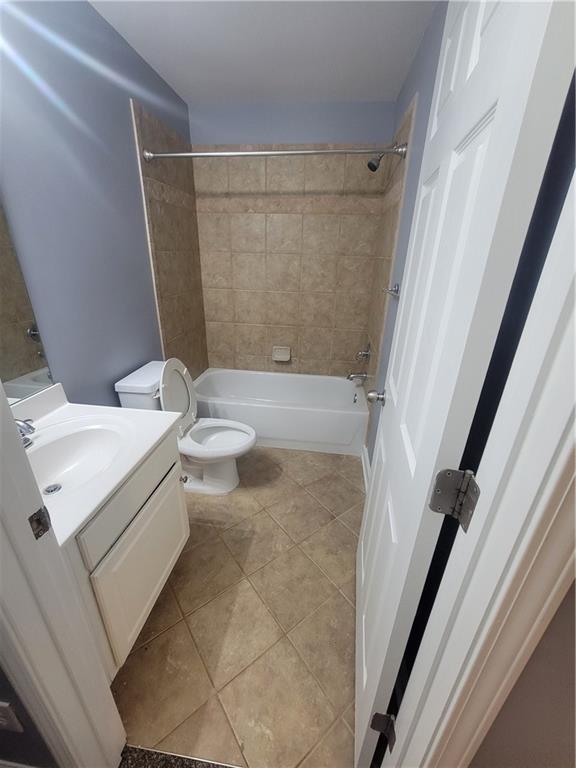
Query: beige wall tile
point(317, 309)
point(249, 271)
point(344, 367)
point(321, 233)
point(359, 178)
point(217, 360)
point(285, 174)
point(247, 174)
point(319, 272)
point(315, 367)
point(247, 232)
point(251, 362)
point(291, 366)
point(324, 173)
point(346, 344)
point(282, 308)
point(250, 306)
point(251, 339)
point(217, 269)
point(219, 305)
point(355, 274)
point(389, 227)
point(284, 232)
point(360, 235)
point(351, 311)
point(210, 175)
point(283, 271)
point(316, 343)
point(283, 336)
point(220, 338)
point(214, 231)
point(308, 268)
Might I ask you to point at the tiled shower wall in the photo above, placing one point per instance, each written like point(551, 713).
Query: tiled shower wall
point(291, 249)
point(172, 230)
point(391, 206)
point(18, 353)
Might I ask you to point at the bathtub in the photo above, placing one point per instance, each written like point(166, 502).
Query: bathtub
point(288, 410)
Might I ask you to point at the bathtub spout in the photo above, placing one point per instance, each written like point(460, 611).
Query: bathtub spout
point(357, 377)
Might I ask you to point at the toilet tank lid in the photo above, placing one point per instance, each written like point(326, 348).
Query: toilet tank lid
point(144, 380)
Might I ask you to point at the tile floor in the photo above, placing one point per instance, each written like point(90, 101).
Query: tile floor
point(248, 656)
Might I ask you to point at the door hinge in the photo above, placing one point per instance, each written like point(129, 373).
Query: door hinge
point(384, 724)
point(455, 493)
point(40, 522)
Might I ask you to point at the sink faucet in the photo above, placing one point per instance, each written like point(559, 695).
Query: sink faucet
point(25, 428)
point(357, 377)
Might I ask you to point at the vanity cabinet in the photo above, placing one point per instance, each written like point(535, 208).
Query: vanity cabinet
point(123, 556)
point(129, 578)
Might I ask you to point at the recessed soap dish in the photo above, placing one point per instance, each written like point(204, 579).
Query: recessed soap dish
point(281, 354)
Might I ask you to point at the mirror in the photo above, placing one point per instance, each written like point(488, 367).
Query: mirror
point(23, 367)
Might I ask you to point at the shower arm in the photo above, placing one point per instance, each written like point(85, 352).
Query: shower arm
point(394, 149)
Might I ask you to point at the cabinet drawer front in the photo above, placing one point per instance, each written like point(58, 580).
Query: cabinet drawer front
point(131, 576)
point(99, 534)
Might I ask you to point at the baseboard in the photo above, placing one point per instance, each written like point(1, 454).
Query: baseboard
point(366, 468)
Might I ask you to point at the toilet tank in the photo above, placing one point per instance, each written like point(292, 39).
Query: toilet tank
point(140, 388)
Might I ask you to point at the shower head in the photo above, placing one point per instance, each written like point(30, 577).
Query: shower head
point(374, 163)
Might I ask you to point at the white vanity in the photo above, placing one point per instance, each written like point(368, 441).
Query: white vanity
point(110, 479)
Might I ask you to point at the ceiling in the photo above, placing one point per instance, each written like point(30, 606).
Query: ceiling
point(274, 52)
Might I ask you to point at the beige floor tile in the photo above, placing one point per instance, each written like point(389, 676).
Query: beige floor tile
point(222, 511)
point(199, 533)
point(348, 717)
point(257, 469)
point(256, 541)
point(336, 750)
point(335, 493)
point(163, 615)
point(306, 468)
point(353, 518)
point(207, 735)
point(292, 587)
point(277, 709)
point(281, 455)
point(349, 589)
point(333, 549)
point(351, 468)
point(300, 514)
point(278, 485)
point(231, 631)
point(160, 685)
point(325, 640)
point(202, 573)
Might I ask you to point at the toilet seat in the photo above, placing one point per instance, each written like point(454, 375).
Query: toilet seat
point(177, 393)
point(203, 439)
point(216, 439)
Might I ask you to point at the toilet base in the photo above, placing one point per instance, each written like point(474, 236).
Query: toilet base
point(216, 479)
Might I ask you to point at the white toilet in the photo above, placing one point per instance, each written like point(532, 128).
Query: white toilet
point(209, 447)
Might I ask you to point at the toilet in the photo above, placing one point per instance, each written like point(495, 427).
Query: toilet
point(209, 447)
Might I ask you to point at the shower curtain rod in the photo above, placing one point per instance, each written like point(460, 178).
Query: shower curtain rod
point(393, 149)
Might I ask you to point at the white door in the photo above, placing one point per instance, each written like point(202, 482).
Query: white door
point(46, 646)
point(499, 92)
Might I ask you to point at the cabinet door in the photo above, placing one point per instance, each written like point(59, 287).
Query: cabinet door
point(131, 576)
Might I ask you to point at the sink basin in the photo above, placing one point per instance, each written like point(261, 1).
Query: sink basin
point(60, 457)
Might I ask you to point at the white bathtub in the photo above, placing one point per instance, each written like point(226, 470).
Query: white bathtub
point(288, 410)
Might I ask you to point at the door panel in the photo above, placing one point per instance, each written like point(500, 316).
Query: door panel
point(462, 255)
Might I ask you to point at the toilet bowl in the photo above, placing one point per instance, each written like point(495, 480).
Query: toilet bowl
point(208, 447)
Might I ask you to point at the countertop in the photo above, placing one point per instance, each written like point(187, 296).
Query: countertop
point(141, 431)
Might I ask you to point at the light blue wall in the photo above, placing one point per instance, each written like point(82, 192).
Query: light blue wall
point(420, 83)
point(70, 187)
point(362, 122)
